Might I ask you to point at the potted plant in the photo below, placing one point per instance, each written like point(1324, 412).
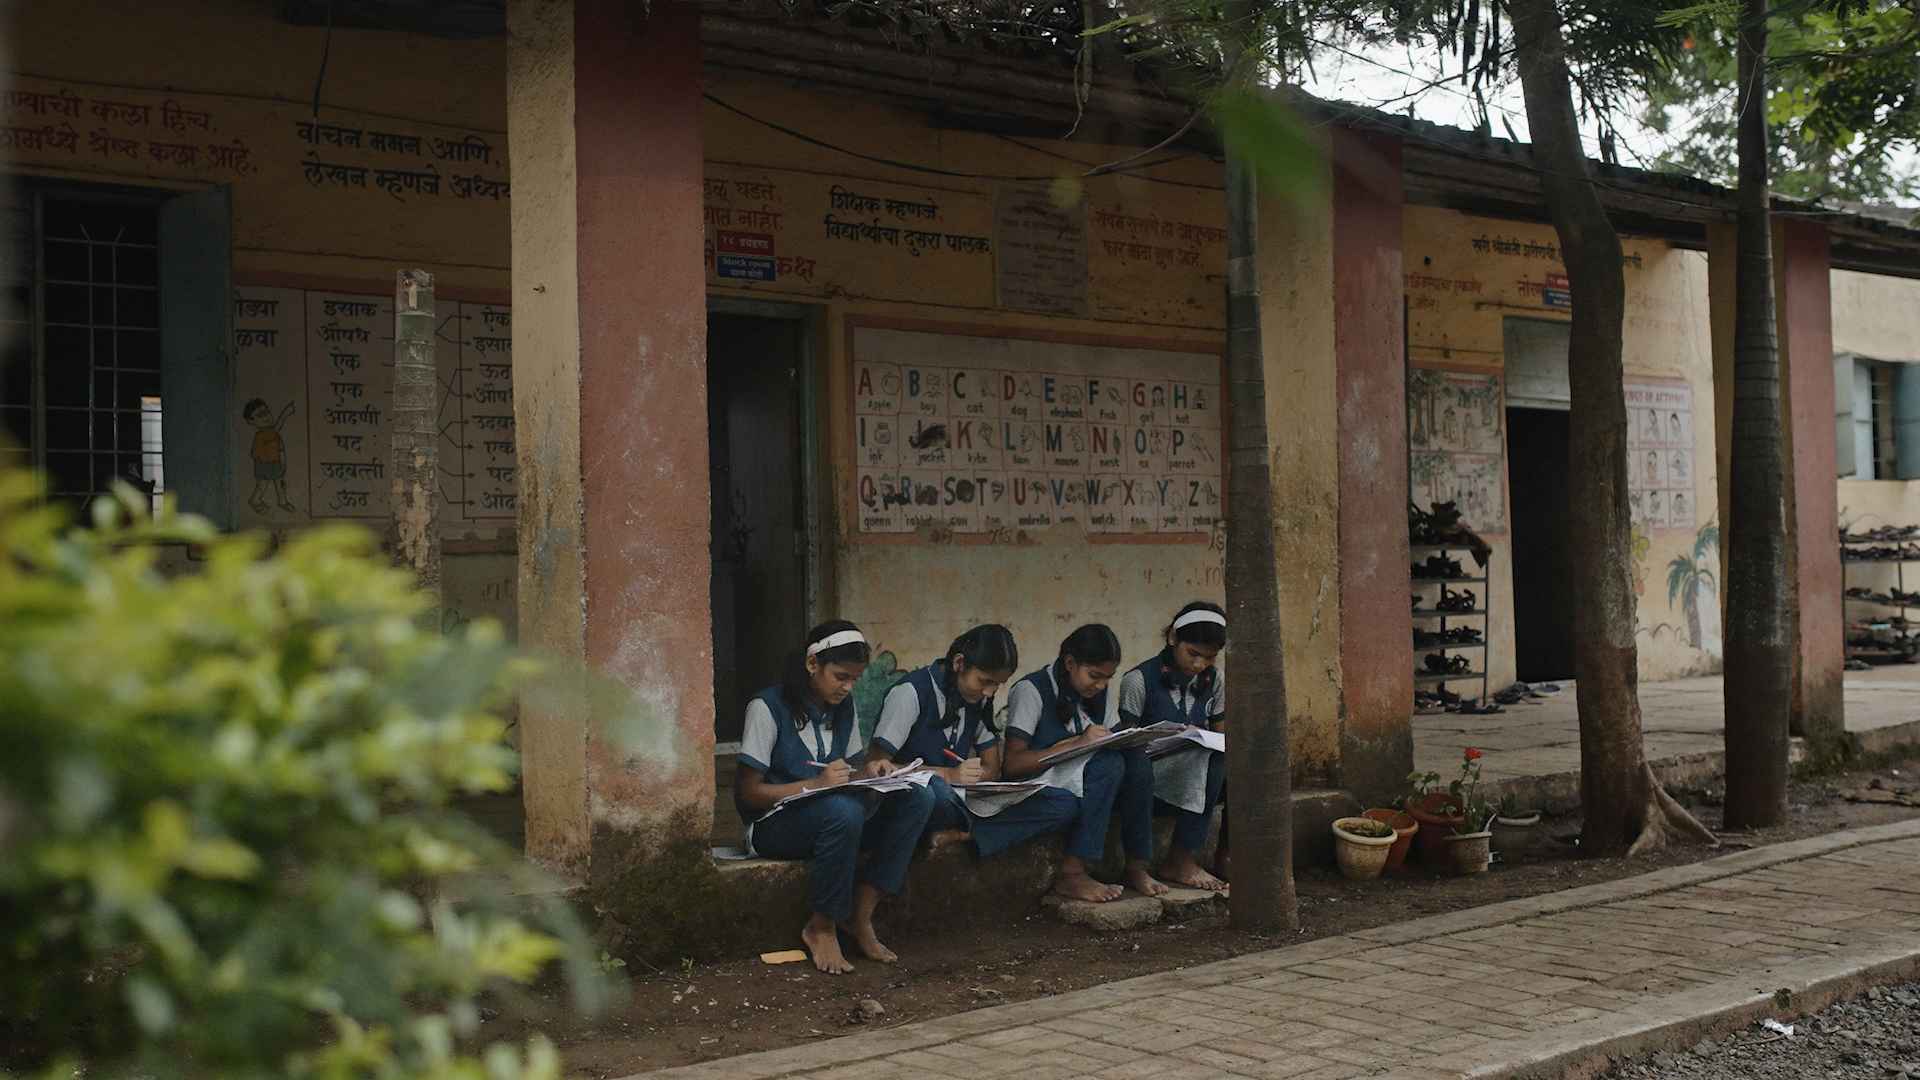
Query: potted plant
point(1470, 844)
point(1515, 828)
point(1438, 812)
point(1404, 828)
point(1361, 845)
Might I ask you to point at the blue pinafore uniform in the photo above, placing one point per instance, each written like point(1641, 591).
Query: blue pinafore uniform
point(1111, 779)
point(924, 717)
point(830, 831)
point(1161, 693)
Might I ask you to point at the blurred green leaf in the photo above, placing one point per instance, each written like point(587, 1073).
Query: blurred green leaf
point(1270, 137)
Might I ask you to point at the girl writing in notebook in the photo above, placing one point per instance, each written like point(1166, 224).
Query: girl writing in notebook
point(1069, 704)
point(796, 741)
point(1182, 685)
point(942, 714)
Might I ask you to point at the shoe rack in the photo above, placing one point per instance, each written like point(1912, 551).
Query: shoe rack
point(1450, 605)
point(1877, 627)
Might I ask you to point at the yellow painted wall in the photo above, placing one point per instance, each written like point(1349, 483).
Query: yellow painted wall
point(1465, 276)
point(1877, 317)
point(914, 597)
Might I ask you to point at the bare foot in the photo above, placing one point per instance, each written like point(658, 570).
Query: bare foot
point(1143, 882)
point(1185, 872)
point(946, 838)
point(868, 943)
point(825, 947)
point(1076, 885)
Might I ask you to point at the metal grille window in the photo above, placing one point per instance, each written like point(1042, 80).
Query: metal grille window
point(1885, 456)
point(83, 394)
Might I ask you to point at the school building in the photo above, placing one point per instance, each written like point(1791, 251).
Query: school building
point(753, 315)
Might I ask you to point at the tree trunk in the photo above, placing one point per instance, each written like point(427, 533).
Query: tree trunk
point(415, 461)
point(1622, 803)
point(1759, 642)
point(1259, 761)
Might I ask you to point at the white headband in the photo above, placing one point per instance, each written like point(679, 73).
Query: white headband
point(835, 640)
point(1202, 615)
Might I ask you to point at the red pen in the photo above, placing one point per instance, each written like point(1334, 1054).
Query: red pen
point(956, 757)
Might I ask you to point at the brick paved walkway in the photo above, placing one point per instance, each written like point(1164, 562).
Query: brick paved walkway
point(1526, 987)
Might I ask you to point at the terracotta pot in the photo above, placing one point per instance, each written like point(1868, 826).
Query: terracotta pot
point(1361, 857)
point(1403, 828)
point(1516, 835)
point(1438, 814)
point(1470, 852)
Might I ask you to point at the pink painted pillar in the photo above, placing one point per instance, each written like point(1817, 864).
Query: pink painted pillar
point(1804, 301)
point(610, 377)
point(1376, 630)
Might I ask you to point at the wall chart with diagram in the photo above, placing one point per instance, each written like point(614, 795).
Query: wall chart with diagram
point(312, 424)
point(982, 434)
point(1660, 489)
point(1456, 423)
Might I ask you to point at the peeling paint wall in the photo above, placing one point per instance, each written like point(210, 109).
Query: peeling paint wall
point(1466, 275)
point(552, 574)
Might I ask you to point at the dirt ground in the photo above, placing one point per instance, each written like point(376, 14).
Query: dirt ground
point(697, 1012)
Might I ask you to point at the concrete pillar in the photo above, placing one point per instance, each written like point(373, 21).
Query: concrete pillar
point(1804, 313)
point(1331, 326)
point(1376, 629)
point(1804, 301)
point(610, 384)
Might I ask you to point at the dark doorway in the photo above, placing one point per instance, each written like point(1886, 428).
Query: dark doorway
point(1542, 601)
point(755, 449)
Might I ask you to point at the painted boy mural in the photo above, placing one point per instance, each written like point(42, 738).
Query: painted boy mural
point(269, 453)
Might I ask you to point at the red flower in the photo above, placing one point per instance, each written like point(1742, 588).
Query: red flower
point(1472, 754)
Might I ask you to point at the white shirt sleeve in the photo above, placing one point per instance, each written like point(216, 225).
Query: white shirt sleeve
point(898, 713)
point(756, 742)
point(1023, 710)
point(1133, 694)
point(1112, 719)
point(1218, 707)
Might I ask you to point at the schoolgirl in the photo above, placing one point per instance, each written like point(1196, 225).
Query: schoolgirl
point(942, 715)
point(1182, 684)
point(1069, 703)
point(796, 740)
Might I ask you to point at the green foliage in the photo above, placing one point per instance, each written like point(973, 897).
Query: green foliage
point(1842, 97)
point(226, 811)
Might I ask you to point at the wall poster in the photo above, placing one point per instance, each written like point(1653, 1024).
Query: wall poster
point(312, 423)
point(975, 435)
point(1660, 481)
point(1456, 426)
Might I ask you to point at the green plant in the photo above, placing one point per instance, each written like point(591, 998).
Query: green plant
point(1368, 827)
point(1465, 795)
point(226, 811)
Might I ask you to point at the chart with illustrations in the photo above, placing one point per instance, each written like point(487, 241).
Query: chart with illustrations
point(1456, 422)
point(1660, 480)
point(981, 434)
point(312, 425)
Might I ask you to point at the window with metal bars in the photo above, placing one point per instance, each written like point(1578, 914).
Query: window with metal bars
point(1885, 448)
point(80, 392)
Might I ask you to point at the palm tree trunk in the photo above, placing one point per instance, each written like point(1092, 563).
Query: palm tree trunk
point(1622, 804)
point(1259, 760)
point(1759, 641)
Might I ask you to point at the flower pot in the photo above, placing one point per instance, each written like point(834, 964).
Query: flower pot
point(1403, 828)
point(1516, 835)
point(1360, 857)
point(1438, 814)
point(1470, 852)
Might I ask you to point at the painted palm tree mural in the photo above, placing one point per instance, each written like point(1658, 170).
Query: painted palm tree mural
point(1690, 580)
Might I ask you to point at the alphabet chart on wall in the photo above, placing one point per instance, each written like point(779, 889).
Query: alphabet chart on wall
point(981, 434)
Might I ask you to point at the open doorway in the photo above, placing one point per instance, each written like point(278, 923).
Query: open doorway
point(757, 453)
point(1537, 466)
